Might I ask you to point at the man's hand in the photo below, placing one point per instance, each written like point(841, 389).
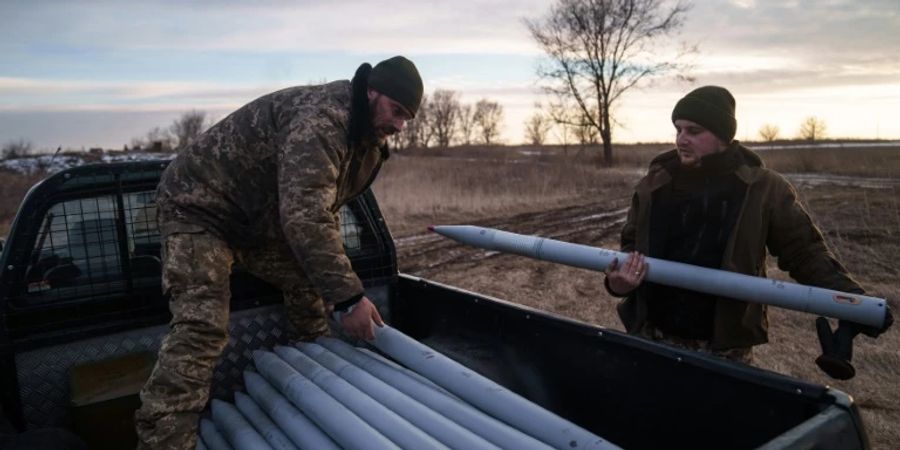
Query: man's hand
point(358, 322)
point(625, 278)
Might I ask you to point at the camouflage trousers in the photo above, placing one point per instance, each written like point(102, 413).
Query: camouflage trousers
point(196, 271)
point(739, 354)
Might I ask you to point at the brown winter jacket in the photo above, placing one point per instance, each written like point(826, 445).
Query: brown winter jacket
point(771, 217)
point(276, 172)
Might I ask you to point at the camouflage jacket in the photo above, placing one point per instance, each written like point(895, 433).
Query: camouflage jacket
point(276, 172)
point(770, 217)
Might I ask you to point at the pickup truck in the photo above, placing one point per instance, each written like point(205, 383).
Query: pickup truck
point(80, 288)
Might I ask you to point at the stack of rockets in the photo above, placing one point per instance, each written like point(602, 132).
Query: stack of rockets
point(331, 395)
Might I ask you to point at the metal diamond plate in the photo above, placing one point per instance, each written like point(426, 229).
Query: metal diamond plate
point(44, 374)
point(263, 328)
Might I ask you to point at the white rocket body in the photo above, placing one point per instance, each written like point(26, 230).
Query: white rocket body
point(861, 309)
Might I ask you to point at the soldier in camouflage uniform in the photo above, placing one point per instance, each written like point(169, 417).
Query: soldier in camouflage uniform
point(262, 189)
point(711, 202)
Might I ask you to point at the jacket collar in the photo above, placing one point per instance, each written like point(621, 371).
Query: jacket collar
point(662, 167)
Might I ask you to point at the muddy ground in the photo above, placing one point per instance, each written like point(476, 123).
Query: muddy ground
point(860, 219)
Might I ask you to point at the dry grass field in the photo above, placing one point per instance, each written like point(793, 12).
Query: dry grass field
point(433, 186)
point(568, 196)
point(564, 193)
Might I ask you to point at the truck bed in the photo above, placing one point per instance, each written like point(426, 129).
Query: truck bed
point(635, 393)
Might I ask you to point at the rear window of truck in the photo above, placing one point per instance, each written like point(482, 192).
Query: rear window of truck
point(90, 247)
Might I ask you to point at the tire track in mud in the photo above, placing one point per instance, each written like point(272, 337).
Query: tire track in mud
point(590, 223)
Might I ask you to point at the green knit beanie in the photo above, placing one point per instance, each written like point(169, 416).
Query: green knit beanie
point(399, 79)
point(711, 107)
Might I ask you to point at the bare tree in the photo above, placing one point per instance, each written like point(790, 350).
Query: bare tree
point(442, 116)
point(488, 116)
point(16, 148)
point(812, 128)
point(466, 124)
point(536, 128)
point(769, 132)
point(187, 127)
point(599, 49)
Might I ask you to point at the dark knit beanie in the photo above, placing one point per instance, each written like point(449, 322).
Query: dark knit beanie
point(711, 107)
point(399, 79)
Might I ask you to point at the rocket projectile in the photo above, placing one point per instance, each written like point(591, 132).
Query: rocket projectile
point(212, 437)
point(861, 309)
point(291, 422)
point(495, 431)
point(441, 428)
point(323, 409)
point(485, 394)
point(262, 423)
point(235, 428)
point(389, 423)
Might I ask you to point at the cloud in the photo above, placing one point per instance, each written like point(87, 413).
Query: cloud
point(354, 26)
point(812, 33)
point(109, 129)
point(158, 57)
point(743, 4)
point(23, 94)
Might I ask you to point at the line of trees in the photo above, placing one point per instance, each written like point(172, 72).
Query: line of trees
point(443, 120)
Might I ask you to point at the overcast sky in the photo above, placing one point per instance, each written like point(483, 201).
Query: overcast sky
point(99, 73)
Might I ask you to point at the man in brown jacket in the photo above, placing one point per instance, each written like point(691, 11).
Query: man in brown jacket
point(262, 188)
point(711, 202)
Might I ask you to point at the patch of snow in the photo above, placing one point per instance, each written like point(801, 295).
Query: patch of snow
point(55, 163)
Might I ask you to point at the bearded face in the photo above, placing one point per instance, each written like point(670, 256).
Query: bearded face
point(388, 116)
